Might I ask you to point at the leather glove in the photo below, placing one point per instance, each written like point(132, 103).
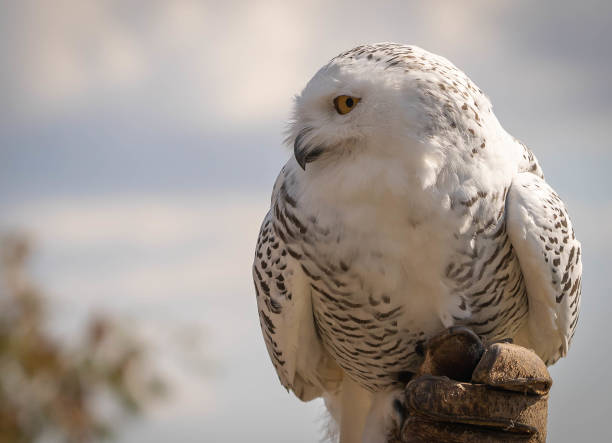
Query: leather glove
point(469, 392)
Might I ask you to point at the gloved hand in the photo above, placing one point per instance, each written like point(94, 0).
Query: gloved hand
point(469, 392)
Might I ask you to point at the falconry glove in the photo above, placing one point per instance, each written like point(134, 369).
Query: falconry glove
point(469, 392)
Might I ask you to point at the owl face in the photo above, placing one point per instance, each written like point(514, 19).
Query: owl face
point(354, 106)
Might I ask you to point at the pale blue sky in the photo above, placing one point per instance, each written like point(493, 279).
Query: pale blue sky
point(139, 142)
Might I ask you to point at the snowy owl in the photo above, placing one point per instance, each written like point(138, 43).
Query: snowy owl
point(405, 209)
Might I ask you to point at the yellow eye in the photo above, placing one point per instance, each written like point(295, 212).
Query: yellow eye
point(345, 103)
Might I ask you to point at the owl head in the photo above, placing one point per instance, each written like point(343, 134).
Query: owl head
point(385, 99)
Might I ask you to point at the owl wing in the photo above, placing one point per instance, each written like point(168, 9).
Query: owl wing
point(549, 255)
point(286, 318)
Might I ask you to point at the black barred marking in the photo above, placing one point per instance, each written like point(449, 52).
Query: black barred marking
point(309, 273)
point(384, 315)
point(468, 275)
point(503, 263)
point(286, 197)
point(273, 305)
point(469, 203)
point(486, 289)
point(296, 222)
point(491, 259)
point(337, 301)
point(574, 322)
point(346, 334)
point(393, 348)
point(575, 287)
point(359, 320)
point(269, 324)
point(569, 260)
point(294, 254)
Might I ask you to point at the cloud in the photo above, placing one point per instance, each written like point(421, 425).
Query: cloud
point(69, 50)
point(235, 60)
point(151, 245)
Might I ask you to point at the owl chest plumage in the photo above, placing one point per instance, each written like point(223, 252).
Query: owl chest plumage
point(383, 279)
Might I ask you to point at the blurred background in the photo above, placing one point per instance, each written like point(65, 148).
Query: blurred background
point(139, 142)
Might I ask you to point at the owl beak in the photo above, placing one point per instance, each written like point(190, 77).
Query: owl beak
point(305, 152)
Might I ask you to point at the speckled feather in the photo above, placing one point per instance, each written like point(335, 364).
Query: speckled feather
point(418, 213)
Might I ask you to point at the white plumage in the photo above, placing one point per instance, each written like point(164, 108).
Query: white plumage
point(412, 211)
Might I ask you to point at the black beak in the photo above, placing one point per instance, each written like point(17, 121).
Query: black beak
point(305, 152)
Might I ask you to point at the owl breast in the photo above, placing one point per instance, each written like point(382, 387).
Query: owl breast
point(382, 284)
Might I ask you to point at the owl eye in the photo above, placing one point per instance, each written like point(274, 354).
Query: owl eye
point(345, 103)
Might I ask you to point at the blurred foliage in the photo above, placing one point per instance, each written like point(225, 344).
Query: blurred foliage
point(50, 391)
